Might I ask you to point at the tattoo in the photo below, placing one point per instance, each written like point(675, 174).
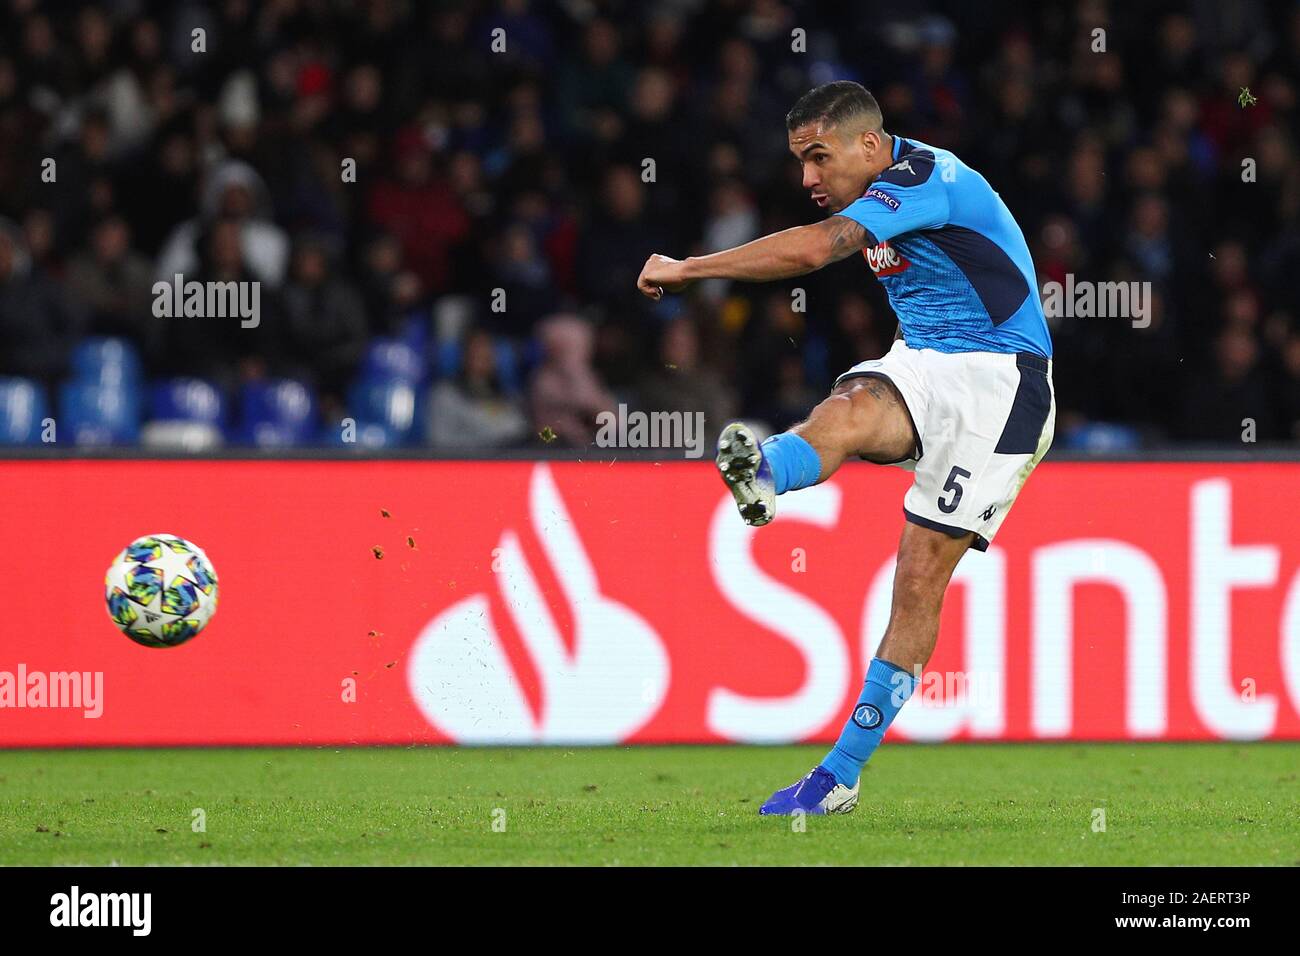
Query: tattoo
point(846, 237)
point(875, 386)
point(879, 390)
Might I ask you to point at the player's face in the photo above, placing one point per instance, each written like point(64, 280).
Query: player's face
point(836, 166)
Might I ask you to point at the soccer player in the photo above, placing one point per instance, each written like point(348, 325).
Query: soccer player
point(963, 399)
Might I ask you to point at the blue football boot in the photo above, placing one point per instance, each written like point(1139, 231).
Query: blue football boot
point(816, 793)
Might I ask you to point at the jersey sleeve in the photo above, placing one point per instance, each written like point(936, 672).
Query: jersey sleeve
point(907, 197)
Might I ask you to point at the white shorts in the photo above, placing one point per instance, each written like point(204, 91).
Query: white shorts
point(982, 421)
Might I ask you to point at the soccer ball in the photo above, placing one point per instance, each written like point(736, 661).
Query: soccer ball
point(161, 590)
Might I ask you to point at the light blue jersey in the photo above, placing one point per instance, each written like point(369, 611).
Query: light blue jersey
point(950, 256)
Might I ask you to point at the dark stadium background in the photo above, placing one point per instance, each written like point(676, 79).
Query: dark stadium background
point(444, 602)
point(520, 171)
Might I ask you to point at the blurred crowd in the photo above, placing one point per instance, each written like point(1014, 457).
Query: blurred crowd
point(472, 285)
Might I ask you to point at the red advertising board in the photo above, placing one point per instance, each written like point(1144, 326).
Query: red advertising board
point(581, 602)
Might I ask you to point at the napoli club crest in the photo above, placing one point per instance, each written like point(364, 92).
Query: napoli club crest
point(867, 716)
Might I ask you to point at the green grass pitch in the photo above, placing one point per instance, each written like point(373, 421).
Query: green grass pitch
point(1201, 804)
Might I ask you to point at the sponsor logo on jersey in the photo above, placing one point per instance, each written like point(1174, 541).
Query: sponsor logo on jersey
point(905, 164)
point(883, 197)
point(885, 260)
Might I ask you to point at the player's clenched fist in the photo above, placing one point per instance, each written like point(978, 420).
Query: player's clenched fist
point(661, 274)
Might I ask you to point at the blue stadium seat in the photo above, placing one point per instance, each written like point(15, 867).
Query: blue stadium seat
point(185, 414)
point(391, 404)
point(277, 412)
point(365, 435)
point(507, 365)
point(447, 356)
point(510, 361)
point(96, 414)
point(414, 332)
point(22, 409)
point(106, 361)
point(1102, 437)
point(392, 360)
point(186, 400)
point(531, 355)
point(816, 358)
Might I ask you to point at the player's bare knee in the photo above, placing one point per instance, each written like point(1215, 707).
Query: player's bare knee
point(880, 420)
point(830, 427)
point(850, 418)
point(833, 410)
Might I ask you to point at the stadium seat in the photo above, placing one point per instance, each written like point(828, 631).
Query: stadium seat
point(190, 437)
point(22, 410)
point(277, 413)
point(366, 434)
point(391, 404)
point(510, 361)
point(816, 358)
point(447, 357)
point(507, 365)
point(186, 400)
point(106, 361)
point(530, 355)
point(414, 332)
point(185, 414)
point(92, 413)
point(392, 360)
point(1102, 437)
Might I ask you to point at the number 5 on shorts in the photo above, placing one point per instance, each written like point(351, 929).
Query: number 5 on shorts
point(948, 507)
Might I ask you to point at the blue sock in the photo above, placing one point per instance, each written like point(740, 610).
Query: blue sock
point(884, 693)
point(794, 462)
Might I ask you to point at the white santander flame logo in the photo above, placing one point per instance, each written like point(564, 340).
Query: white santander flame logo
point(612, 682)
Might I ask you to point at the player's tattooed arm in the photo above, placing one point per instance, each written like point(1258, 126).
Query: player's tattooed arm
point(782, 255)
point(843, 237)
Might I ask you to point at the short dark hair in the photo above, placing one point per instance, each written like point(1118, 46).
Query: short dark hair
point(834, 103)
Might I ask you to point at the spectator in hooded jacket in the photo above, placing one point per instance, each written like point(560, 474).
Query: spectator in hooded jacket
point(566, 392)
point(234, 192)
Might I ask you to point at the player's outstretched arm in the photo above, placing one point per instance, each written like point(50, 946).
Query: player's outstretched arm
point(782, 255)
